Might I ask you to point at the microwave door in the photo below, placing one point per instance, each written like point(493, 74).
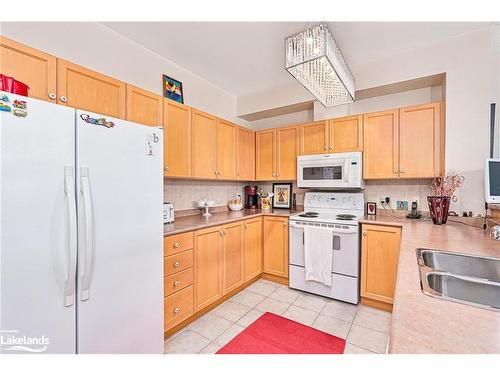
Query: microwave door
point(324, 174)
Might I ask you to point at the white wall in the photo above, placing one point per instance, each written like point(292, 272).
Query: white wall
point(295, 118)
point(97, 47)
point(379, 103)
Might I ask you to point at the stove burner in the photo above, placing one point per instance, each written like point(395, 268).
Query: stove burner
point(345, 217)
point(309, 214)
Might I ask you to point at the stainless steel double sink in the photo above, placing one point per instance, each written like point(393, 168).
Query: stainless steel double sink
point(468, 279)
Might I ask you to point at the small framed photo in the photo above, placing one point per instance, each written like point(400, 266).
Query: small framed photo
point(371, 208)
point(282, 195)
point(172, 89)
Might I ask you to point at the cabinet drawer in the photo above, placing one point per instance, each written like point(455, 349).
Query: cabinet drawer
point(178, 262)
point(177, 307)
point(177, 281)
point(178, 243)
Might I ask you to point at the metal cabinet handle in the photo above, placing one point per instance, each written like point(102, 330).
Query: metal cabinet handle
point(330, 147)
point(395, 171)
point(238, 174)
point(177, 264)
point(402, 170)
point(246, 226)
point(221, 233)
point(177, 310)
point(326, 147)
point(177, 244)
point(52, 96)
point(166, 169)
point(177, 283)
point(364, 233)
point(64, 99)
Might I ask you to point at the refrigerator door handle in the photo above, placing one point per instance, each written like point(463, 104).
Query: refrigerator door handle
point(69, 191)
point(87, 256)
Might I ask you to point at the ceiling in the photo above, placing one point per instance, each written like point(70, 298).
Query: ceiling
point(244, 57)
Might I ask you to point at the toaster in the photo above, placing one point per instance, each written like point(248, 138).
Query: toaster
point(168, 213)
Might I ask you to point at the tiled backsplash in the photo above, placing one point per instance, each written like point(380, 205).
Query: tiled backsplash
point(182, 193)
point(398, 190)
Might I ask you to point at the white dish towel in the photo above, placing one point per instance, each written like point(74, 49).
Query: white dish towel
point(318, 254)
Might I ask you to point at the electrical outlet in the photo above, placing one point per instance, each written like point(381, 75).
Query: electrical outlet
point(402, 205)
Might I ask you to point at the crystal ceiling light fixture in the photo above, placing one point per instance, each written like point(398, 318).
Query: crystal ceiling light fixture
point(314, 59)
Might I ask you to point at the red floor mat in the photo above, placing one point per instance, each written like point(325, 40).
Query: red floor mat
point(273, 334)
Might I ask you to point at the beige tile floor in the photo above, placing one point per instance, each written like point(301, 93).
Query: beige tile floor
point(365, 329)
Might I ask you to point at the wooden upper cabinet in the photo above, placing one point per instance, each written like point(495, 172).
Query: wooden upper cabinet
point(265, 155)
point(208, 264)
point(144, 107)
point(233, 257)
point(346, 134)
point(85, 89)
point(35, 68)
point(245, 161)
point(313, 138)
point(253, 248)
point(287, 149)
point(226, 150)
point(203, 144)
point(379, 263)
point(381, 145)
point(420, 141)
point(177, 139)
point(276, 246)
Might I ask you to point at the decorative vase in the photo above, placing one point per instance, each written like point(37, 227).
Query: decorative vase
point(439, 207)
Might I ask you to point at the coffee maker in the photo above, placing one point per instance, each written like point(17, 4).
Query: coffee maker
point(251, 197)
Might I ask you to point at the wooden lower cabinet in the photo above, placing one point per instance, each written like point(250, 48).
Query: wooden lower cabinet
point(207, 266)
point(253, 248)
point(233, 268)
point(379, 264)
point(178, 307)
point(178, 278)
point(276, 246)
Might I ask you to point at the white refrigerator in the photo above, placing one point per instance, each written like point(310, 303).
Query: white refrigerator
point(81, 228)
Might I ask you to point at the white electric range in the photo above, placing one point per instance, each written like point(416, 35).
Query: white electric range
point(338, 212)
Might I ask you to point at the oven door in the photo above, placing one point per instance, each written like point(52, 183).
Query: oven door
point(323, 171)
point(345, 248)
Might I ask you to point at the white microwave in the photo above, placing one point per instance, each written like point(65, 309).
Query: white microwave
point(330, 171)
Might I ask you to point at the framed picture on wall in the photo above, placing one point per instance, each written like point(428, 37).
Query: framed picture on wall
point(282, 195)
point(172, 89)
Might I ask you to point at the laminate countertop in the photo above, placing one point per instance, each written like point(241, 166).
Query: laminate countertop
point(423, 324)
point(196, 222)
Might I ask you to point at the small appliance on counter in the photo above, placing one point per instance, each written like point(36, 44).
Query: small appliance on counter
point(414, 214)
point(251, 196)
point(168, 213)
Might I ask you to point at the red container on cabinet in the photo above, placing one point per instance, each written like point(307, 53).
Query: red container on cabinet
point(9, 84)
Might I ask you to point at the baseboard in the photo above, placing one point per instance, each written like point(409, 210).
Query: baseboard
point(276, 279)
point(376, 304)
